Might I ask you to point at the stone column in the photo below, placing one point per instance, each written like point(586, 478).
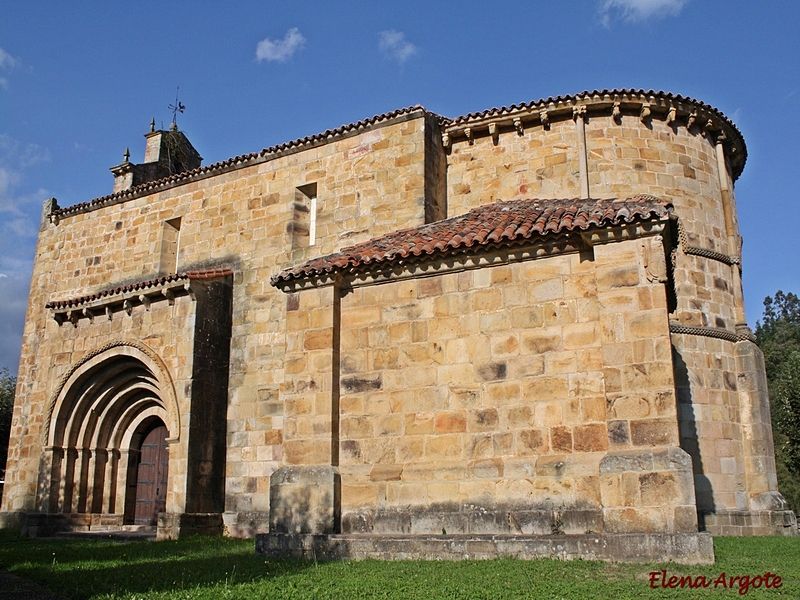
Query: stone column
point(579, 114)
point(732, 234)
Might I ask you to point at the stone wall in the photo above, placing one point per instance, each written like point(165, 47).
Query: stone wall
point(368, 182)
point(522, 398)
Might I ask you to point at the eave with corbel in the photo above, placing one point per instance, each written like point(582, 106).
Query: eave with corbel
point(676, 111)
point(124, 298)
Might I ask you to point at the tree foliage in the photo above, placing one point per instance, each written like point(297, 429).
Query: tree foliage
point(779, 338)
point(8, 385)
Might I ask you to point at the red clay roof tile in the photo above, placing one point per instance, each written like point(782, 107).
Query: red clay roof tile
point(501, 223)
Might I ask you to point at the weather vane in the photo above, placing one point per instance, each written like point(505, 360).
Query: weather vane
point(176, 108)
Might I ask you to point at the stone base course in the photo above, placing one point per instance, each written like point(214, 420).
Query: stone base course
point(683, 548)
point(767, 522)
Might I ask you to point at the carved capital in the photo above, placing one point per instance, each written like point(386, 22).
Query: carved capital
point(579, 110)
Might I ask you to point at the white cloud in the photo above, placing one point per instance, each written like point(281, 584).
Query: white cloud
point(7, 61)
point(394, 45)
point(15, 157)
point(280, 50)
point(20, 211)
point(635, 11)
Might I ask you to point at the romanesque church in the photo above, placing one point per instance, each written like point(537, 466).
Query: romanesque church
point(516, 332)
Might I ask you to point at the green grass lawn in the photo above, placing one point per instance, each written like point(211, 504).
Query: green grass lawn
point(227, 568)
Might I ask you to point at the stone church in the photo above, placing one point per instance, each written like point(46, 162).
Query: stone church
point(515, 332)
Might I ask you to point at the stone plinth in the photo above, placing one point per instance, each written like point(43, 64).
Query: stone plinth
point(683, 548)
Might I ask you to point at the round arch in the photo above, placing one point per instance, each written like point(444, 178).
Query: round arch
point(94, 416)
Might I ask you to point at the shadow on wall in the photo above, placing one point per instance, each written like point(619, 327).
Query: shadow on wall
point(689, 437)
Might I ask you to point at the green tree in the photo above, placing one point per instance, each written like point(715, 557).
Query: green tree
point(8, 386)
point(779, 338)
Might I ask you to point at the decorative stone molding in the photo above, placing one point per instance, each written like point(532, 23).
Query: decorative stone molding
point(713, 332)
point(147, 353)
point(683, 241)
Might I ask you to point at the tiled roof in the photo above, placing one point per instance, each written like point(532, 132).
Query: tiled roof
point(139, 286)
point(236, 162)
point(499, 224)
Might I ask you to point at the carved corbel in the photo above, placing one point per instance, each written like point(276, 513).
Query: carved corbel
point(691, 120)
point(468, 133)
point(109, 312)
point(616, 113)
point(127, 306)
point(74, 316)
point(494, 131)
point(672, 115)
point(145, 301)
point(644, 114)
point(446, 141)
point(710, 126)
point(59, 318)
point(170, 295)
point(544, 118)
point(518, 126)
point(88, 314)
point(188, 287)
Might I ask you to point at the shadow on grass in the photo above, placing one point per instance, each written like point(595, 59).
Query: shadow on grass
point(82, 569)
point(206, 568)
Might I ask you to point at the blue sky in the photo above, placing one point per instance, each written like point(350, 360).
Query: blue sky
point(80, 82)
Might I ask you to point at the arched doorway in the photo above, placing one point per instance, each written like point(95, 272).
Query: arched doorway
point(109, 429)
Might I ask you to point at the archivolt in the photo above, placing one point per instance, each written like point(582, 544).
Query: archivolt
point(126, 372)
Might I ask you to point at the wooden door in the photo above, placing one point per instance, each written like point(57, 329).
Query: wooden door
point(151, 480)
